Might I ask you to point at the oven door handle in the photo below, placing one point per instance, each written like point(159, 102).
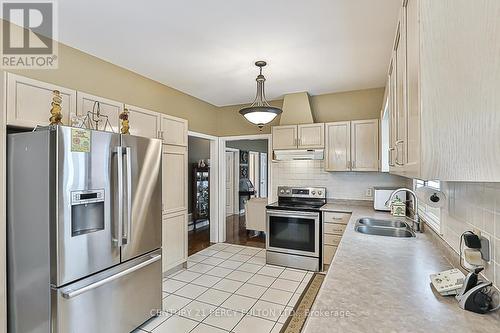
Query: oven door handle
point(292, 213)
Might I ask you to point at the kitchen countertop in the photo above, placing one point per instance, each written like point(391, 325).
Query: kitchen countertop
point(381, 284)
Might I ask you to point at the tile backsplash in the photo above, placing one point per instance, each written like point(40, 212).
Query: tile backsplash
point(340, 185)
point(473, 206)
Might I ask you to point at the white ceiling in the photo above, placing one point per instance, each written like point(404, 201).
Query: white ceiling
point(207, 48)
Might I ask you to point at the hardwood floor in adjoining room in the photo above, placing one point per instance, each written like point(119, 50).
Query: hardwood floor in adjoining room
point(198, 239)
point(236, 233)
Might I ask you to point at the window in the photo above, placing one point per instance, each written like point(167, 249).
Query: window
point(429, 214)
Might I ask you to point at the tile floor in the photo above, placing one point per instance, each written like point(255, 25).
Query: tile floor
point(228, 288)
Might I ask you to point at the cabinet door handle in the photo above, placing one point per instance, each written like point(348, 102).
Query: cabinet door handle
point(398, 142)
point(391, 149)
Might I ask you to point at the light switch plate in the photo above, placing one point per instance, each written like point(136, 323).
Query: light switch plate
point(369, 192)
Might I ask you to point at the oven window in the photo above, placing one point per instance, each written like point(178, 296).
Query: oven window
point(292, 233)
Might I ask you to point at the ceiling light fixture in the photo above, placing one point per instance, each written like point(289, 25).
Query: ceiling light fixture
point(260, 112)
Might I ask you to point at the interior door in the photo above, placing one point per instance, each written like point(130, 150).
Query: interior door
point(85, 204)
point(141, 227)
point(254, 171)
point(263, 175)
point(230, 183)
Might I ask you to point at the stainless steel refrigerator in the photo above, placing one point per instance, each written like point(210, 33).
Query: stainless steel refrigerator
point(83, 231)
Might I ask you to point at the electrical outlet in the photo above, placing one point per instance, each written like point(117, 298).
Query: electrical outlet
point(369, 192)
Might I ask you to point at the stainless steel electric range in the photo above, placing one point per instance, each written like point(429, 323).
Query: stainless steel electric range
point(294, 228)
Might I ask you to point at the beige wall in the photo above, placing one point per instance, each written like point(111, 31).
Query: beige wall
point(83, 72)
point(351, 105)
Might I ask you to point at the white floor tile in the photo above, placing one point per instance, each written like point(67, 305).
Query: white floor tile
point(186, 276)
point(240, 257)
point(173, 303)
point(191, 291)
point(267, 310)
point(257, 260)
point(239, 303)
point(261, 254)
point(175, 273)
point(262, 280)
point(269, 270)
point(250, 268)
point(239, 276)
point(213, 296)
point(203, 328)
point(228, 285)
point(170, 286)
point(212, 261)
point(219, 246)
point(190, 264)
point(197, 257)
point(292, 275)
point(224, 318)
point(196, 310)
point(155, 322)
point(277, 296)
point(223, 255)
point(251, 290)
point(302, 286)
point(285, 314)
point(176, 324)
point(233, 249)
point(231, 264)
point(294, 299)
point(287, 285)
point(250, 251)
point(201, 268)
point(250, 324)
point(277, 328)
point(219, 271)
point(207, 252)
point(206, 280)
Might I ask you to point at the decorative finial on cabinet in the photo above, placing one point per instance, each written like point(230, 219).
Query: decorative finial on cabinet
point(55, 111)
point(124, 122)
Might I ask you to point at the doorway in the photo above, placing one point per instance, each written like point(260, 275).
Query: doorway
point(202, 182)
point(246, 173)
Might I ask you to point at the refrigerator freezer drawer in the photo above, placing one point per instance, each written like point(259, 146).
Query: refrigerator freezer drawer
point(114, 301)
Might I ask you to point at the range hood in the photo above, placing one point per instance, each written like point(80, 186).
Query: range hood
point(297, 110)
point(299, 154)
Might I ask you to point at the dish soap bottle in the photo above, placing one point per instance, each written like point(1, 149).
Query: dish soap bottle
point(398, 207)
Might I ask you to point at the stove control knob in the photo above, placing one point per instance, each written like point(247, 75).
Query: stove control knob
point(282, 191)
point(320, 192)
point(313, 192)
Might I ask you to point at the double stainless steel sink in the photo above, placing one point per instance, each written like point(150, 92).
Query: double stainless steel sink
point(391, 228)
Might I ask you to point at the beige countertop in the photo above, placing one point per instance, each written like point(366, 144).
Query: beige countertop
point(381, 284)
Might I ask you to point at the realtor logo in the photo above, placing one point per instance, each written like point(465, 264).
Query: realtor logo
point(28, 35)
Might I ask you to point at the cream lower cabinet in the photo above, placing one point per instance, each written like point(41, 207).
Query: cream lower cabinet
point(174, 240)
point(29, 101)
point(352, 146)
point(106, 107)
point(305, 136)
point(334, 225)
point(174, 131)
point(143, 122)
point(174, 205)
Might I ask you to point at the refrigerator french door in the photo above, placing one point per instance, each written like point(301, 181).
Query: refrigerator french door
point(84, 230)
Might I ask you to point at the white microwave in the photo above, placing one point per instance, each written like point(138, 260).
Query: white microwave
point(382, 194)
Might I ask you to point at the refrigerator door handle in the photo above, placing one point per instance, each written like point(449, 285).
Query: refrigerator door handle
point(118, 230)
point(127, 234)
point(73, 293)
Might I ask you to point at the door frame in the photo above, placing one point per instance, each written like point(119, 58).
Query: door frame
point(214, 182)
point(221, 223)
point(236, 180)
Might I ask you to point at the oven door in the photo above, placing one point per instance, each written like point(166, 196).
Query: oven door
point(293, 232)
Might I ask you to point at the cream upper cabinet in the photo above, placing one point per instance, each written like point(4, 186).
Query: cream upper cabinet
point(364, 145)
point(338, 146)
point(143, 122)
point(174, 179)
point(448, 91)
point(352, 146)
point(29, 101)
point(106, 107)
point(311, 136)
point(174, 240)
point(174, 130)
point(285, 137)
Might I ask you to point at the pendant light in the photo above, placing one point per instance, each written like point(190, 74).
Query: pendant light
point(260, 112)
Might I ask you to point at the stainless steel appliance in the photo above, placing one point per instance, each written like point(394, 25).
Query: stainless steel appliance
point(294, 227)
point(84, 231)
